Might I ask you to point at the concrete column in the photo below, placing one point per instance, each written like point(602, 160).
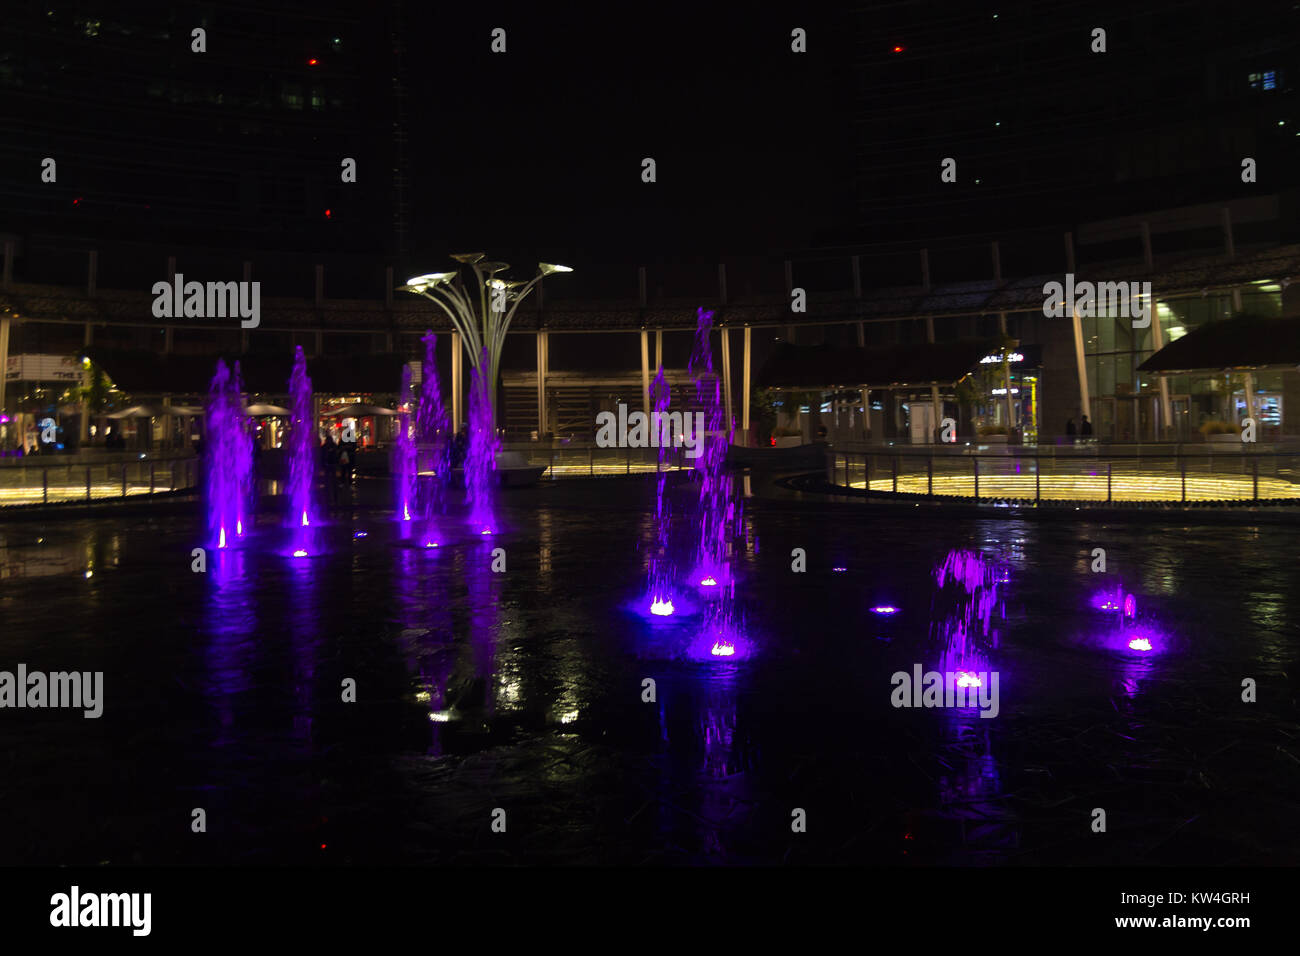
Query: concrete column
point(541, 384)
point(1230, 249)
point(726, 375)
point(934, 389)
point(456, 387)
point(87, 337)
point(1080, 363)
point(866, 392)
point(1250, 399)
point(746, 397)
point(659, 348)
point(789, 287)
point(4, 353)
point(92, 272)
point(645, 372)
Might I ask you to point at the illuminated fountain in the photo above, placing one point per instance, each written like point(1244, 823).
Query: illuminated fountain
point(966, 600)
point(717, 508)
point(404, 452)
point(660, 590)
point(302, 456)
point(228, 456)
point(431, 437)
point(481, 458)
point(719, 505)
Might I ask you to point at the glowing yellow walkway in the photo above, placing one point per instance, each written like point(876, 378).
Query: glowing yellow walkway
point(1145, 487)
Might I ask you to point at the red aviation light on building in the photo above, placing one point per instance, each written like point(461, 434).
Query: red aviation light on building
point(898, 48)
point(313, 61)
point(327, 213)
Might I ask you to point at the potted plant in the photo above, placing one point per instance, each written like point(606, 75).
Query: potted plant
point(992, 434)
point(1221, 432)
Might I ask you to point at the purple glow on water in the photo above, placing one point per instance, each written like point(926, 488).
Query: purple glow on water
point(228, 456)
point(722, 649)
point(302, 449)
point(481, 459)
point(1130, 606)
point(404, 450)
point(1139, 644)
point(838, 568)
point(709, 582)
point(885, 610)
point(662, 608)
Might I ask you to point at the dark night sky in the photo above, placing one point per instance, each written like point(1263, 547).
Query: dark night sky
point(743, 130)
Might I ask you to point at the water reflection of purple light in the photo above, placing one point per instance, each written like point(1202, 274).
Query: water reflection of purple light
point(661, 608)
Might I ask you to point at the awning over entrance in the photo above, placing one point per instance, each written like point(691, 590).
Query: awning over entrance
point(895, 366)
point(1247, 341)
point(149, 373)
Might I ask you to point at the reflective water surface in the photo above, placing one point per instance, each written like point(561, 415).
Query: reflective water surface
point(524, 690)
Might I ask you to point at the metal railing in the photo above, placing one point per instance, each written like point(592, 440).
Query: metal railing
point(1209, 474)
point(46, 480)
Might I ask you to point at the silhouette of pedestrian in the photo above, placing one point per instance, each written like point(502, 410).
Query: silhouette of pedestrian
point(1086, 428)
point(330, 467)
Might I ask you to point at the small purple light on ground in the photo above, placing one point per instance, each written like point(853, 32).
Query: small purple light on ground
point(885, 610)
point(839, 568)
point(221, 543)
point(300, 554)
point(967, 679)
point(431, 544)
point(661, 608)
point(1139, 644)
point(1130, 606)
point(723, 649)
point(359, 534)
point(709, 582)
point(486, 531)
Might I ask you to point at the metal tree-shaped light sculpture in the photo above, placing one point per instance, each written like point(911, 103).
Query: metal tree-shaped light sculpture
point(483, 327)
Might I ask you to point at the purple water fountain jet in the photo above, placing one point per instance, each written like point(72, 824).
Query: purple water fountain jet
point(241, 452)
point(719, 510)
point(227, 459)
point(404, 452)
point(302, 456)
point(481, 458)
point(660, 589)
point(433, 443)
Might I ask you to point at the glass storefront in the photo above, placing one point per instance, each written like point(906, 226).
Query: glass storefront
point(1126, 402)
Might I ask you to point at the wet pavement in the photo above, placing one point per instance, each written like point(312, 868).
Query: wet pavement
point(523, 690)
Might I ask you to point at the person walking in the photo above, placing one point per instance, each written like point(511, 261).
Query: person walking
point(1086, 428)
point(330, 468)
